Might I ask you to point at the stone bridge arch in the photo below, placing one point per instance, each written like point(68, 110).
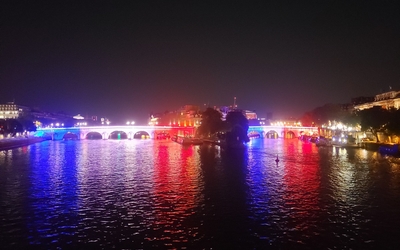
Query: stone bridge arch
point(255, 134)
point(141, 134)
point(59, 133)
point(87, 134)
point(272, 134)
point(290, 134)
point(118, 135)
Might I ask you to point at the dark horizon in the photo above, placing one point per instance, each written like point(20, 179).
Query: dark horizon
point(127, 60)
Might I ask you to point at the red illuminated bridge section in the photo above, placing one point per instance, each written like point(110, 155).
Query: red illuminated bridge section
point(161, 132)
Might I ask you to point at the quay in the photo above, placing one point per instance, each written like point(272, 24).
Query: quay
point(10, 143)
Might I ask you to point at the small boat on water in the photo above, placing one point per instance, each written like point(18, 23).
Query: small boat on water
point(344, 141)
point(231, 145)
point(323, 142)
point(224, 144)
point(187, 140)
point(308, 138)
point(389, 149)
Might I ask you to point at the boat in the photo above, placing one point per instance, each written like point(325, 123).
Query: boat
point(163, 136)
point(231, 142)
point(308, 138)
point(345, 141)
point(389, 149)
point(223, 143)
point(187, 140)
point(323, 142)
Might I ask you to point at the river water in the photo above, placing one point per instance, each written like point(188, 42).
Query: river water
point(147, 194)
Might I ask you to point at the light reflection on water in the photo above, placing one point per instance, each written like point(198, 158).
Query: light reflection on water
point(157, 194)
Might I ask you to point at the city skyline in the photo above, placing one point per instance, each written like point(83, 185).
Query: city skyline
point(125, 61)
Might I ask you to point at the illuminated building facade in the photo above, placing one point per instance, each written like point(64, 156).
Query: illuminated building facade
point(190, 115)
point(386, 100)
point(187, 116)
point(286, 123)
point(11, 110)
point(40, 118)
point(250, 115)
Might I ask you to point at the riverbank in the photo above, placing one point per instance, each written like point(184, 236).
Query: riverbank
point(373, 146)
point(10, 143)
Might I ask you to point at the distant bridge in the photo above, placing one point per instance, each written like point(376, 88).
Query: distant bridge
point(281, 131)
point(138, 132)
point(112, 132)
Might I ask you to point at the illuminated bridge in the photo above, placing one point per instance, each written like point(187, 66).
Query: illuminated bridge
point(281, 131)
point(154, 132)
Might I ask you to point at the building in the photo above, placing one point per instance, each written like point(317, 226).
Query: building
point(250, 115)
point(39, 118)
point(286, 123)
point(362, 99)
point(190, 115)
point(12, 110)
point(386, 100)
point(186, 116)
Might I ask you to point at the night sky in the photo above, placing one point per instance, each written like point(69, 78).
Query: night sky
point(125, 59)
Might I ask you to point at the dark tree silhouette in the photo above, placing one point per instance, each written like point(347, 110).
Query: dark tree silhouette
point(26, 121)
point(211, 123)
point(393, 125)
point(238, 126)
point(375, 120)
point(10, 126)
point(328, 112)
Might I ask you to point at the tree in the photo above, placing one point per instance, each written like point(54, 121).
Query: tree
point(328, 112)
point(26, 121)
point(375, 120)
point(211, 123)
point(350, 118)
point(10, 126)
point(393, 125)
point(307, 119)
point(238, 126)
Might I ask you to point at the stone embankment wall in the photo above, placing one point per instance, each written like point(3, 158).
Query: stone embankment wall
point(372, 146)
point(11, 143)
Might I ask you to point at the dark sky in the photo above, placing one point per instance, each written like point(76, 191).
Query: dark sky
point(125, 59)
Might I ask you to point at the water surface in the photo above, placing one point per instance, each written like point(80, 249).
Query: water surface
point(149, 194)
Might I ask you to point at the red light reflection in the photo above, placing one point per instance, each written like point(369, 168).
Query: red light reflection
point(176, 191)
point(301, 183)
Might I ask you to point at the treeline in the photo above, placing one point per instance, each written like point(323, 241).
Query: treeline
point(375, 120)
point(14, 126)
point(379, 120)
point(233, 128)
point(26, 123)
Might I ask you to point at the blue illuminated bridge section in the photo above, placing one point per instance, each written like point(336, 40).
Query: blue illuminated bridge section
point(156, 132)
